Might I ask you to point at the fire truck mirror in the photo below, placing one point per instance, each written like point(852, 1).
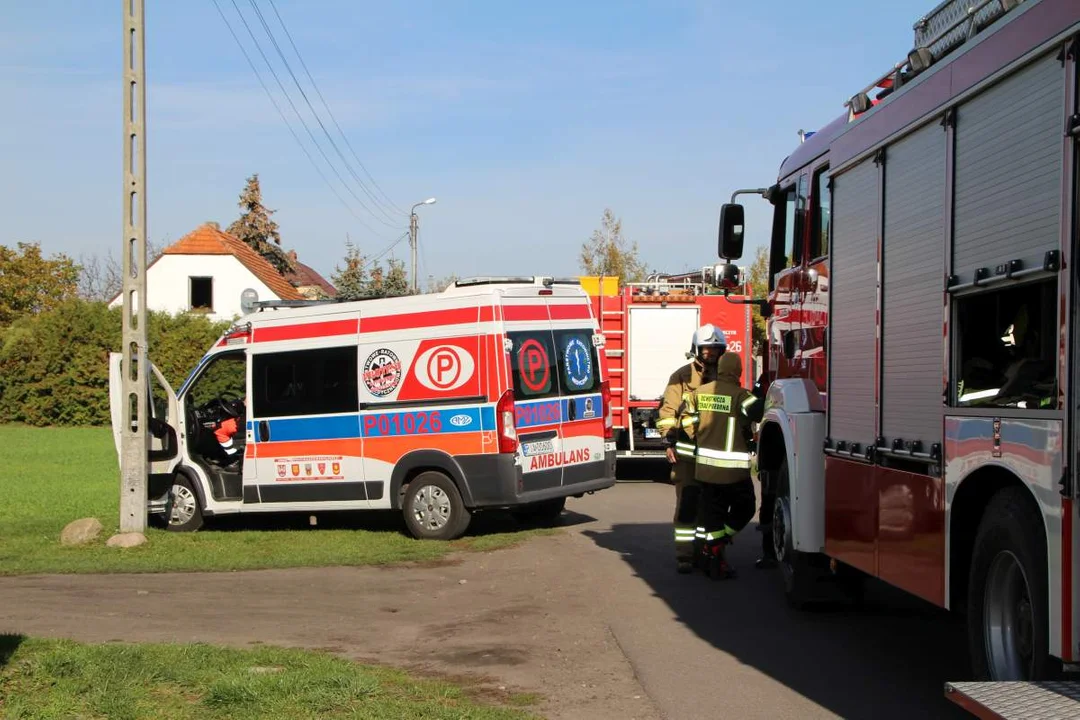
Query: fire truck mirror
point(731, 231)
point(727, 276)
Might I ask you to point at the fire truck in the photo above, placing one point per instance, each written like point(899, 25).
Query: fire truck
point(921, 326)
point(647, 328)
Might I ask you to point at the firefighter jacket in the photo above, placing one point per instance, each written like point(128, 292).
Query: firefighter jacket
point(721, 413)
point(675, 415)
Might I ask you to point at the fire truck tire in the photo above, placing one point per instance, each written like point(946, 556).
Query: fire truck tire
point(541, 514)
point(183, 510)
point(798, 570)
point(434, 509)
point(1008, 627)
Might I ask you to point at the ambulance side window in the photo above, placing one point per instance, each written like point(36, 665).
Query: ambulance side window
point(577, 361)
point(532, 364)
point(305, 382)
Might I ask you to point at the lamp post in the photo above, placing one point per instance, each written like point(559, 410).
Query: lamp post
point(413, 222)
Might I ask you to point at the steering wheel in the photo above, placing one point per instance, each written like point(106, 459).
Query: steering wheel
point(226, 402)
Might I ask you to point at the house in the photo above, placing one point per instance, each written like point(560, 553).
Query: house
point(207, 270)
point(309, 283)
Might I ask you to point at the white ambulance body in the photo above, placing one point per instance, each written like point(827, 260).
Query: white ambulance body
point(488, 395)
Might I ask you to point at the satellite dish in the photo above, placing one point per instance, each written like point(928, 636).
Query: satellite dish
point(248, 300)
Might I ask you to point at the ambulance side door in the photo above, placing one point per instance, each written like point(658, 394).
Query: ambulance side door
point(305, 428)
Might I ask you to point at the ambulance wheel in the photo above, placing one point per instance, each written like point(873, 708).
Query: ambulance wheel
point(541, 514)
point(797, 568)
point(433, 508)
point(1007, 604)
point(182, 509)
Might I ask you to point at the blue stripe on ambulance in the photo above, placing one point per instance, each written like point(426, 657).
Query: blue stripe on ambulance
point(552, 411)
point(345, 427)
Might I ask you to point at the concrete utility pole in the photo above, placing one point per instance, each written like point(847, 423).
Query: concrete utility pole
point(134, 439)
point(413, 226)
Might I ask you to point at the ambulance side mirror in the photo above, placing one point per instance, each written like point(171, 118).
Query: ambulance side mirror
point(731, 231)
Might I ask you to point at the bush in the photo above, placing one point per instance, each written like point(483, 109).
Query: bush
point(54, 366)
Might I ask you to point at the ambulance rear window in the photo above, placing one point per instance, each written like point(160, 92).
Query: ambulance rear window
point(544, 364)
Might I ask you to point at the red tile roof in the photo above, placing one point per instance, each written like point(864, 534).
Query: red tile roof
point(207, 239)
point(305, 276)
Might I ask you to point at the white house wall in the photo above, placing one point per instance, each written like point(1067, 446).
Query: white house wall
point(167, 284)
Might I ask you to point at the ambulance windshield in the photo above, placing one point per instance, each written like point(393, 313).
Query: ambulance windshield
point(544, 363)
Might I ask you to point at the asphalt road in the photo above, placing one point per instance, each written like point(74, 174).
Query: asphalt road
point(707, 649)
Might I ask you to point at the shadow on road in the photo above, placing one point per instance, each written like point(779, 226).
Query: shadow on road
point(490, 522)
point(8, 645)
point(887, 659)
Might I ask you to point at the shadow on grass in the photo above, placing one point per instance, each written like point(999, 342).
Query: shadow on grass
point(9, 643)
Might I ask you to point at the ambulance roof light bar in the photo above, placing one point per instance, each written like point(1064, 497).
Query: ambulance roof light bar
point(250, 302)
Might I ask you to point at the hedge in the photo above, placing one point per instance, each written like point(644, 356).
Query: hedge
point(54, 366)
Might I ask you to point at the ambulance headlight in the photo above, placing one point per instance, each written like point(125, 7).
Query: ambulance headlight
point(248, 298)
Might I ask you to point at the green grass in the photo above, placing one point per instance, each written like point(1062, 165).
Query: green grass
point(64, 679)
point(52, 476)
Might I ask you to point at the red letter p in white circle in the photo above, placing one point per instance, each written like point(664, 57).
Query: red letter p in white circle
point(445, 367)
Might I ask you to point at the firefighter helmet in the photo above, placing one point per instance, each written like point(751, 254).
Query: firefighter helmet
point(707, 336)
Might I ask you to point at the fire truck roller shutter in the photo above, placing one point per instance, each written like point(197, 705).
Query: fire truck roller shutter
point(854, 301)
point(1008, 170)
point(913, 259)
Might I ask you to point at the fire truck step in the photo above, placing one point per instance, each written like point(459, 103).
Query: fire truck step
point(1016, 700)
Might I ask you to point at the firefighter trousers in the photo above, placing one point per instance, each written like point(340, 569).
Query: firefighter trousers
point(687, 492)
point(724, 509)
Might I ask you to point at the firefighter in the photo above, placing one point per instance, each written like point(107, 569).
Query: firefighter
point(675, 418)
point(725, 412)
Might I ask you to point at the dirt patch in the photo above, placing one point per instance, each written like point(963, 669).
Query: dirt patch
point(524, 626)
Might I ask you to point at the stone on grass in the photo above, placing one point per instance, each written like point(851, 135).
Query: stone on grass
point(126, 540)
point(81, 532)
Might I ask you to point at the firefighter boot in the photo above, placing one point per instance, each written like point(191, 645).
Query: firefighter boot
point(718, 566)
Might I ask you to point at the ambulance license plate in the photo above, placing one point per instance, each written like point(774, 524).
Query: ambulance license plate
point(540, 447)
point(651, 433)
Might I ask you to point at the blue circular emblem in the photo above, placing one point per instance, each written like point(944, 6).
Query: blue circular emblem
point(578, 360)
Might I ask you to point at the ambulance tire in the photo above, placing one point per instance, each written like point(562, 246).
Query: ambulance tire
point(541, 514)
point(187, 515)
point(445, 516)
point(1008, 623)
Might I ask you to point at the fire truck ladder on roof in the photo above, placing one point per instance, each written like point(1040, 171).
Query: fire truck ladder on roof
point(938, 33)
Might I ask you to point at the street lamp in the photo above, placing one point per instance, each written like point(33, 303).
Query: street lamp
point(413, 221)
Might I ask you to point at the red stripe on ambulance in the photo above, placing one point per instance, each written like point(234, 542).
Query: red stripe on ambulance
point(307, 330)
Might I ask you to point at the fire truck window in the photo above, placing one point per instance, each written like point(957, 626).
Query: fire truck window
point(305, 382)
point(819, 239)
point(226, 375)
point(783, 236)
point(533, 365)
point(577, 361)
point(1006, 348)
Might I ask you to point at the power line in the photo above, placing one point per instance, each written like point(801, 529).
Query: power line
point(359, 162)
point(288, 98)
point(284, 119)
point(389, 247)
point(389, 221)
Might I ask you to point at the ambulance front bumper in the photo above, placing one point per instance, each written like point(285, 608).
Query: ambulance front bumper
point(496, 481)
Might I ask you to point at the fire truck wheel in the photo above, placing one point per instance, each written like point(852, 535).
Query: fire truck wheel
point(183, 510)
point(797, 568)
point(1007, 604)
point(541, 514)
point(434, 509)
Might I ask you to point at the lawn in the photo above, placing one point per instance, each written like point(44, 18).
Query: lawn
point(55, 475)
point(64, 679)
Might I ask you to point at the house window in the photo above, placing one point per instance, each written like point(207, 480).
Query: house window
point(202, 293)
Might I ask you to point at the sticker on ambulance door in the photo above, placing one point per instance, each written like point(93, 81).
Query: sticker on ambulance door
point(577, 357)
point(382, 372)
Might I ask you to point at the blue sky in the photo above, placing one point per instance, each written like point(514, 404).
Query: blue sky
point(524, 120)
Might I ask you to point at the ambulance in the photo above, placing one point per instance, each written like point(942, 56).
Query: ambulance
point(489, 395)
